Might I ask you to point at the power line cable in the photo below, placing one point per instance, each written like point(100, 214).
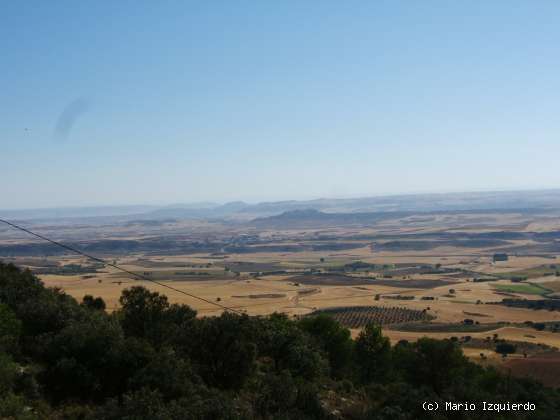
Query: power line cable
point(139, 276)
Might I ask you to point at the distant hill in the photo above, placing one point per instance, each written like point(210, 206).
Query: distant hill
point(311, 218)
point(314, 218)
point(190, 212)
point(76, 212)
point(239, 210)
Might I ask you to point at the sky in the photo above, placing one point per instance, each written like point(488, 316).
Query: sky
point(153, 102)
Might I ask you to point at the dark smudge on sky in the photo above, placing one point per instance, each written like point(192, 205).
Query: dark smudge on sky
point(69, 116)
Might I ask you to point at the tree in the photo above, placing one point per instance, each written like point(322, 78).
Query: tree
point(505, 348)
point(93, 303)
point(289, 347)
point(14, 406)
point(141, 311)
point(333, 338)
point(539, 326)
point(277, 393)
point(373, 354)
point(8, 373)
point(141, 404)
point(84, 359)
point(40, 310)
point(224, 349)
point(436, 364)
point(148, 315)
point(168, 374)
point(10, 330)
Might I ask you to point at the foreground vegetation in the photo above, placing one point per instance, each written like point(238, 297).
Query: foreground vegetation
point(60, 359)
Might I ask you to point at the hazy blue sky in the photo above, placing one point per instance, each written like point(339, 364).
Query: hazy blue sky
point(115, 102)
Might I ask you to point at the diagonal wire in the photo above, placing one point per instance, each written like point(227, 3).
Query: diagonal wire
point(139, 276)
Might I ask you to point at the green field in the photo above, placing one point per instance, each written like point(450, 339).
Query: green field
point(525, 288)
point(540, 271)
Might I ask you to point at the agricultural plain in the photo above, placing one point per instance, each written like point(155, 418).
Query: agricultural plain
point(436, 274)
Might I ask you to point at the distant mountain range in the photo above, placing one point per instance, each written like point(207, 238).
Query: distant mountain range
point(241, 211)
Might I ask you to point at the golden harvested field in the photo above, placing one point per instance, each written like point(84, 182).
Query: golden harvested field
point(279, 293)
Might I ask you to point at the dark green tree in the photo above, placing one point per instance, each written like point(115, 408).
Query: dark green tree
point(333, 338)
point(223, 348)
point(505, 348)
point(91, 302)
point(373, 354)
point(10, 330)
